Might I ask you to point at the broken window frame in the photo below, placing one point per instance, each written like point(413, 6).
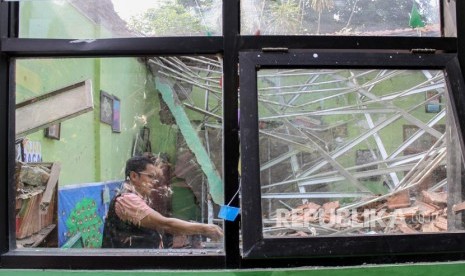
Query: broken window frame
point(254, 243)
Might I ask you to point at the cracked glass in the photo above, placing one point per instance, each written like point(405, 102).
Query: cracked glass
point(357, 152)
point(119, 153)
point(341, 17)
point(88, 19)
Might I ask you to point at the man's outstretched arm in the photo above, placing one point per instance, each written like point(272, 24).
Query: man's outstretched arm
point(156, 221)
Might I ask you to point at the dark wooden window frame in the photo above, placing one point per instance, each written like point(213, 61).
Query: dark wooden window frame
point(254, 244)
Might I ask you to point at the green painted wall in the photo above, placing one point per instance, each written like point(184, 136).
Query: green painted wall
point(124, 78)
point(57, 19)
point(77, 143)
point(88, 150)
point(87, 147)
point(184, 204)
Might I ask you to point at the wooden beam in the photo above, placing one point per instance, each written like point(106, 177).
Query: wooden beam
point(50, 187)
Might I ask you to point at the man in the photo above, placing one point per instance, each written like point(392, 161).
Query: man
point(131, 223)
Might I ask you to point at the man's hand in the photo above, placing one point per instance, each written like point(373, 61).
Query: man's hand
point(213, 232)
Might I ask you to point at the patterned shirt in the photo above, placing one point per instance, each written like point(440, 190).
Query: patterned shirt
point(130, 206)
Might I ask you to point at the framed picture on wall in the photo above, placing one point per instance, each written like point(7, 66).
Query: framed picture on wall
point(116, 122)
point(106, 108)
point(53, 131)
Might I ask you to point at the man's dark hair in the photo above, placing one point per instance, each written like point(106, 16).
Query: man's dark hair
point(137, 164)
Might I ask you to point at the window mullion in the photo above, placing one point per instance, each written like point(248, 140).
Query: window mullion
point(231, 15)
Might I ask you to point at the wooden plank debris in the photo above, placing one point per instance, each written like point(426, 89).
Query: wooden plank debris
point(408, 212)
point(399, 200)
point(458, 207)
point(50, 187)
point(36, 239)
point(49, 109)
point(30, 217)
point(434, 197)
point(397, 214)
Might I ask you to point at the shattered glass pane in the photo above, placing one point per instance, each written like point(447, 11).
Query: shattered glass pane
point(357, 152)
point(78, 121)
point(341, 17)
point(89, 19)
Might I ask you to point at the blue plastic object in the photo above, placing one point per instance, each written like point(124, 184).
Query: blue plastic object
point(228, 212)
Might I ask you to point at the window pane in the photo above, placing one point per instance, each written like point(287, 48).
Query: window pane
point(357, 152)
point(88, 19)
point(77, 123)
point(341, 17)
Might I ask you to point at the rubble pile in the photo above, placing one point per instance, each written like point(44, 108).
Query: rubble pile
point(396, 214)
point(35, 199)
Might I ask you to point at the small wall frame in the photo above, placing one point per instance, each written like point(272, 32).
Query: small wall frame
point(116, 122)
point(106, 108)
point(53, 131)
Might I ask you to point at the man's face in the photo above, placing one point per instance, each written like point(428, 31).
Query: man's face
point(147, 179)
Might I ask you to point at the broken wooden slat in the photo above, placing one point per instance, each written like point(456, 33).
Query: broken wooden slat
point(48, 109)
point(32, 217)
point(434, 197)
point(441, 223)
point(27, 218)
point(399, 200)
point(36, 239)
point(458, 207)
point(50, 188)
